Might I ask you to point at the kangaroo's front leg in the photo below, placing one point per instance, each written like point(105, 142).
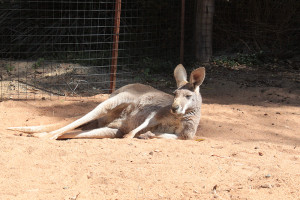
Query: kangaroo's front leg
point(150, 135)
point(101, 110)
point(149, 122)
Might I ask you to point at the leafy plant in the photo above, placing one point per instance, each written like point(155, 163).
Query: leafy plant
point(38, 63)
point(9, 67)
point(241, 59)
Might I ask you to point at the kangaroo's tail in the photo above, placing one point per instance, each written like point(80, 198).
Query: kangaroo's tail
point(42, 128)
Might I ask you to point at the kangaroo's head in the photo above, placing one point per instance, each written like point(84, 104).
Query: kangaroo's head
point(187, 95)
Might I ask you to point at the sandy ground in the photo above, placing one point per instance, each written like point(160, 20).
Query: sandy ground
point(248, 147)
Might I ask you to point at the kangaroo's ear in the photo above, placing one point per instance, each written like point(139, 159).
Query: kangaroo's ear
point(197, 77)
point(180, 75)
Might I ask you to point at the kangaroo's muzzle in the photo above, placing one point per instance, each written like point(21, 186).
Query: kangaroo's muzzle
point(175, 108)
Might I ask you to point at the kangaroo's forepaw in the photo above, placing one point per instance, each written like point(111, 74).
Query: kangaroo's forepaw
point(147, 135)
point(128, 136)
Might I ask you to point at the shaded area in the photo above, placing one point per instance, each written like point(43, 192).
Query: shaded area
point(252, 85)
point(268, 27)
point(234, 106)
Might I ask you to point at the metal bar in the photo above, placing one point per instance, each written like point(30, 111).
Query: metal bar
point(114, 61)
point(182, 31)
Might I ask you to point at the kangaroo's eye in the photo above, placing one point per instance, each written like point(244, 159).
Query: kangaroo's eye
point(188, 96)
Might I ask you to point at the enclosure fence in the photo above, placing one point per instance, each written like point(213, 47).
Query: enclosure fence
point(73, 48)
point(51, 48)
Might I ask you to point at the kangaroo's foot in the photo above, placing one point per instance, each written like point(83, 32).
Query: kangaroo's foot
point(98, 133)
point(46, 135)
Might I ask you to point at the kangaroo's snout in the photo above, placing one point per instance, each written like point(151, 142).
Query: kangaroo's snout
point(175, 108)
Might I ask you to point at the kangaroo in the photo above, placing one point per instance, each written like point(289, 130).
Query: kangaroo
point(138, 110)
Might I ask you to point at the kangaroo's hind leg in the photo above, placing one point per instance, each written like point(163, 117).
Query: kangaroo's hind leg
point(98, 133)
point(120, 101)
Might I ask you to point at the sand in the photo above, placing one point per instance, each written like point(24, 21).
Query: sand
point(247, 147)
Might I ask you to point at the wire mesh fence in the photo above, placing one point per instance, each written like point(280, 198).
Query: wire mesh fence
point(64, 48)
point(67, 48)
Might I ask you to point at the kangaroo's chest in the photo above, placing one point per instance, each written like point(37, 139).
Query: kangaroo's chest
point(170, 124)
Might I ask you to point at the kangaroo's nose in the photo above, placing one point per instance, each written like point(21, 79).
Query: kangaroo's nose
point(175, 108)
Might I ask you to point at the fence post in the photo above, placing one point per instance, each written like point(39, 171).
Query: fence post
point(204, 28)
point(114, 60)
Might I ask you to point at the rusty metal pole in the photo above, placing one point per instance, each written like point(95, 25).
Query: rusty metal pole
point(114, 59)
point(182, 32)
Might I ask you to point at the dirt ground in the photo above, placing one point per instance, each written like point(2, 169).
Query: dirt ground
point(247, 147)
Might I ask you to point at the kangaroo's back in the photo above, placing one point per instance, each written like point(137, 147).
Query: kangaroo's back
point(145, 95)
point(134, 89)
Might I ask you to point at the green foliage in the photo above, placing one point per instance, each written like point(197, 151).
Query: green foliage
point(38, 63)
point(241, 59)
point(8, 67)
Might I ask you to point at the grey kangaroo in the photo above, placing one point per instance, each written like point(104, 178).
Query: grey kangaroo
point(137, 110)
